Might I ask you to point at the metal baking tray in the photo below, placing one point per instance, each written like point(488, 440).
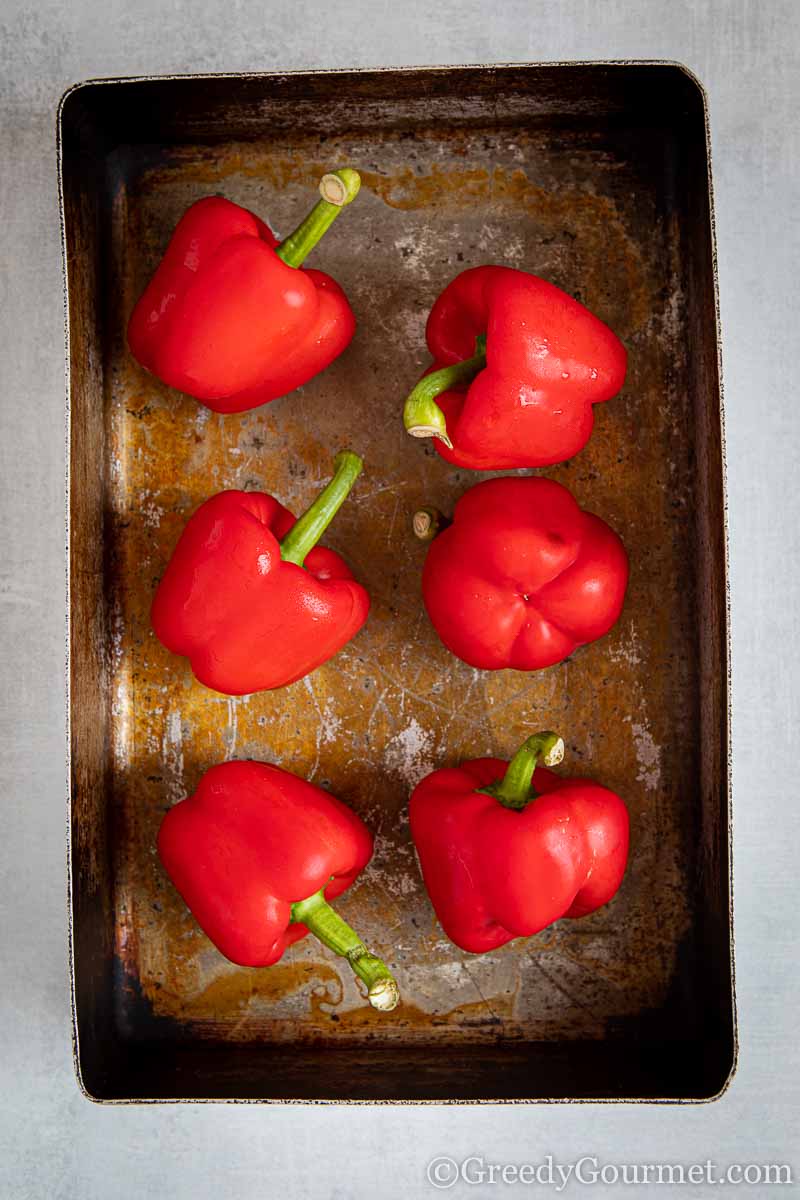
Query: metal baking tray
point(597, 177)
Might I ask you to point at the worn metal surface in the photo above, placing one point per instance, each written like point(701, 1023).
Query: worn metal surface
point(395, 704)
point(608, 204)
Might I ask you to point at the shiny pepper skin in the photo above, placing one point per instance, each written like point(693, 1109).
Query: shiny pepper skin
point(245, 617)
point(547, 362)
point(250, 841)
point(258, 854)
point(495, 873)
point(522, 576)
point(226, 320)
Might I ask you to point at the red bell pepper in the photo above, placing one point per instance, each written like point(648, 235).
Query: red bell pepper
point(228, 318)
point(501, 860)
point(518, 366)
point(250, 598)
point(522, 576)
point(257, 853)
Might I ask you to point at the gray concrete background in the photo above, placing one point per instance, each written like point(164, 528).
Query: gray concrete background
point(53, 1143)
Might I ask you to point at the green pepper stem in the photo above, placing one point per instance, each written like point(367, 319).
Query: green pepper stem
point(307, 531)
point(422, 416)
point(514, 789)
point(336, 190)
point(427, 523)
point(326, 924)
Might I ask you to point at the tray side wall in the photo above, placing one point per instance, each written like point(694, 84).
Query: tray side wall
point(83, 194)
point(714, 882)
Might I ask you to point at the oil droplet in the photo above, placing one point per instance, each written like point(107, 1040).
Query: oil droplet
point(565, 374)
point(593, 373)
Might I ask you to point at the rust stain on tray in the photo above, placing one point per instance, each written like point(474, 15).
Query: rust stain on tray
point(394, 704)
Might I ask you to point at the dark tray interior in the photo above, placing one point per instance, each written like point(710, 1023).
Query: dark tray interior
point(595, 176)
